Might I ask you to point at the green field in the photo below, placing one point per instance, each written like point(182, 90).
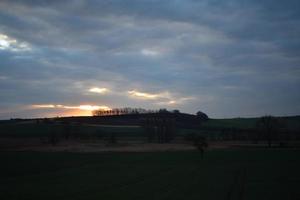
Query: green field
point(30, 130)
point(27, 129)
point(227, 174)
point(291, 123)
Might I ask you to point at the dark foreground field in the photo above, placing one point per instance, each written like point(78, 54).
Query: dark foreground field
point(221, 174)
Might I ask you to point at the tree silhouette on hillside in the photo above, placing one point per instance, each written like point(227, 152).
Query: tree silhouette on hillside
point(268, 126)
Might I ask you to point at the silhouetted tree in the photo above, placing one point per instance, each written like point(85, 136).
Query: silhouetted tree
point(268, 126)
point(200, 143)
point(148, 125)
point(201, 115)
point(121, 111)
point(160, 127)
point(176, 111)
point(163, 110)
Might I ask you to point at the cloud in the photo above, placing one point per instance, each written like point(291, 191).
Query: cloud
point(148, 52)
point(11, 44)
point(79, 107)
point(43, 106)
point(144, 95)
point(166, 103)
point(233, 57)
point(98, 90)
point(161, 99)
point(175, 101)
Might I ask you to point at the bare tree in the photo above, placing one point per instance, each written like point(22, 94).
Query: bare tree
point(268, 127)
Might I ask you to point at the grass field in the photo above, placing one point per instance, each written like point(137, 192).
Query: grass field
point(29, 130)
point(291, 123)
point(221, 174)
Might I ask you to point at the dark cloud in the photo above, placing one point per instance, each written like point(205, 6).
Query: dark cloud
point(234, 58)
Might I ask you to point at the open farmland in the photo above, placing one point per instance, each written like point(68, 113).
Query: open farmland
point(32, 129)
point(129, 129)
point(291, 123)
point(221, 174)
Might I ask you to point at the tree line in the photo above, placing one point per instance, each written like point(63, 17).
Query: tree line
point(129, 110)
point(122, 111)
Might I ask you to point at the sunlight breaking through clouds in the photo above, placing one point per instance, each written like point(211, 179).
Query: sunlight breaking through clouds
point(143, 95)
point(8, 43)
point(235, 58)
point(98, 90)
point(167, 103)
point(79, 107)
point(175, 102)
point(163, 98)
point(44, 106)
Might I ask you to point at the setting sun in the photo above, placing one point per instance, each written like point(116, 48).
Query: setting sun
point(79, 107)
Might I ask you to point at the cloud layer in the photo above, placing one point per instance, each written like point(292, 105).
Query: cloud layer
point(226, 58)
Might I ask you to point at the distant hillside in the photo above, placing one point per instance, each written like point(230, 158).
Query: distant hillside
point(291, 123)
point(182, 119)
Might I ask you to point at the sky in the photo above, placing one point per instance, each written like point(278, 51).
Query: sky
point(233, 58)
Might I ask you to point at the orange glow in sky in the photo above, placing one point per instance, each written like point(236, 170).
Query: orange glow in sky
point(69, 110)
point(79, 107)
